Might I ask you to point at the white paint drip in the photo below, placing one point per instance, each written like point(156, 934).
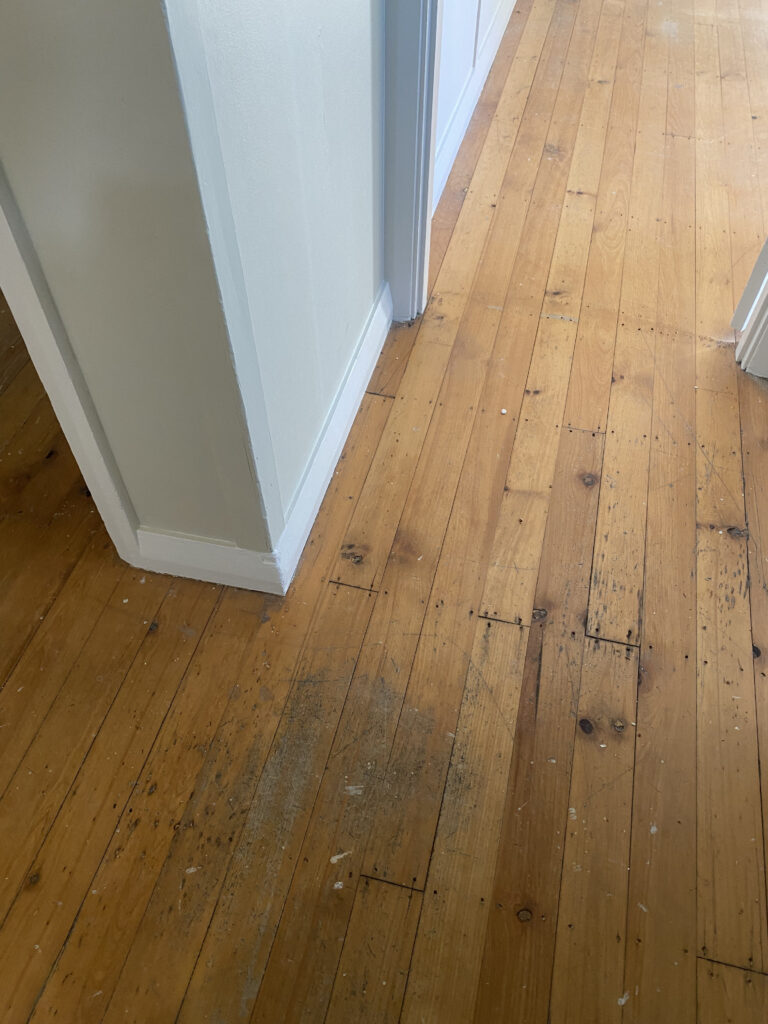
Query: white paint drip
point(654, 829)
point(191, 871)
point(354, 790)
point(643, 907)
point(340, 856)
point(623, 1000)
point(338, 885)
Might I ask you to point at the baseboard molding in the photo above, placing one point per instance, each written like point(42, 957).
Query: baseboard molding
point(203, 559)
point(333, 436)
point(448, 146)
point(221, 562)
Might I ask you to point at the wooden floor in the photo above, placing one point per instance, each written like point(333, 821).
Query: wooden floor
point(496, 757)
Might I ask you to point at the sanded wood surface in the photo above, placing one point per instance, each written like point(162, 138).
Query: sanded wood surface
point(498, 754)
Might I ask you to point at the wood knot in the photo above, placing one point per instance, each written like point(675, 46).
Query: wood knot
point(589, 479)
point(539, 614)
point(34, 878)
point(756, 652)
point(524, 915)
point(586, 726)
point(618, 725)
point(353, 556)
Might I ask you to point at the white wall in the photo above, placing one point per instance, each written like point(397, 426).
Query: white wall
point(96, 154)
point(471, 33)
point(295, 104)
point(204, 200)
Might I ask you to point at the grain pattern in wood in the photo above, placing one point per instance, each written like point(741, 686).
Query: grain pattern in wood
point(730, 995)
point(376, 955)
point(235, 947)
point(660, 972)
point(589, 953)
point(446, 958)
point(84, 976)
point(365, 549)
point(48, 767)
point(53, 878)
point(223, 791)
point(516, 969)
point(731, 865)
point(753, 405)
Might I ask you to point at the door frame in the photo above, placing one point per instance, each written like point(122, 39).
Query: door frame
point(751, 318)
point(412, 34)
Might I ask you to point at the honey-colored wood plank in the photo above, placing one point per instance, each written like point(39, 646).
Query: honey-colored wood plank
point(50, 764)
point(376, 955)
point(731, 865)
point(34, 573)
point(269, 635)
point(47, 661)
point(27, 454)
point(97, 942)
point(730, 995)
point(660, 972)
point(520, 939)
point(511, 578)
point(745, 208)
point(753, 405)
point(365, 549)
point(714, 287)
point(236, 946)
point(401, 841)
point(589, 954)
point(53, 882)
point(446, 961)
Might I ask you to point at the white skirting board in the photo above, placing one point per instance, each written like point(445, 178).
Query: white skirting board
point(221, 562)
point(448, 146)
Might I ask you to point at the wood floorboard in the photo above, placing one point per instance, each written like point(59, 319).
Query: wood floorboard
point(499, 754)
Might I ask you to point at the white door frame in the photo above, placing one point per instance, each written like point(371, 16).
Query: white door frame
point(751, 317)
point(412, 56)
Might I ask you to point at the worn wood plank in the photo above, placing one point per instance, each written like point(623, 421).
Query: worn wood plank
point(446, 961)
point(235, 946)
point(53, 880)
point(660, 972)
point(753, 405)
point(376, 955)
point(47, 661)
point(519, 945)
point(48, 767)
point(84, 976)
point(365, 549)
point(269, 635)
point(33, 574)
point(731, 995)
point(731, 865)
point(589, 954)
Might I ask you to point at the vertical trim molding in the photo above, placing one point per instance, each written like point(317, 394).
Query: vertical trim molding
point(412, 31)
